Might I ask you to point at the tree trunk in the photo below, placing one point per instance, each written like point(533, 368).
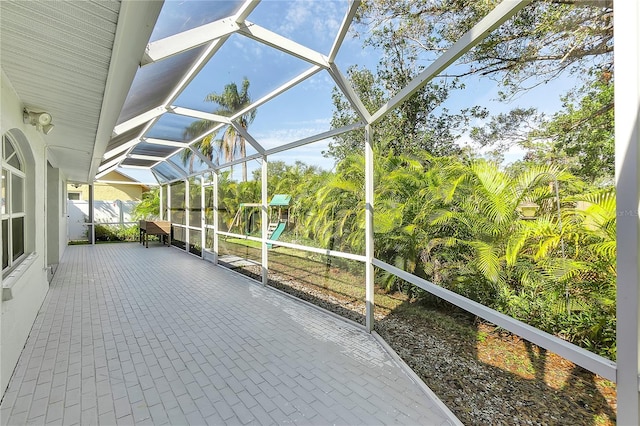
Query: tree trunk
point(243, 154)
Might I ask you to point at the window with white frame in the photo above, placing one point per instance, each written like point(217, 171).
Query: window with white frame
point(13, 204)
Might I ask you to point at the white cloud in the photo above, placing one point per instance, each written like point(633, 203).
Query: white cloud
point(297, 15)
point(321, 82)
point(278, 137)
point(513, 154)
point(319, 16)
point(310, 154)
point(251, 50)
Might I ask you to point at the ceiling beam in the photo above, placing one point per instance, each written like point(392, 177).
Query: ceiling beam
point(121, 148)
point(105, 171)
point(202, 61)
point(202, 157)
point(146, 157)
point(344, 28)
point(315, 138)
point(112, 163)
point(159, 176)
point(203, 115)
point(131, 166)
point(165, 142)
point(187, 78)
point(211, 131)
point(251, 157)
point(245, 134)
point(178, 43)
point(245, 10)
point(258, 33)
point(199, 114)
point(153, 115)
point(349, 93)
point(139, 120)
point(288, 85)
point(175, 167)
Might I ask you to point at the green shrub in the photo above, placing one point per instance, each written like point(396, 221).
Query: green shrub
point(117, 233)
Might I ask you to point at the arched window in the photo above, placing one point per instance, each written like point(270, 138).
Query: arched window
point(13, 204)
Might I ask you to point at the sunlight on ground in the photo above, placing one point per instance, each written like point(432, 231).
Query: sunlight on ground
point(532, 363)
point(528, 364)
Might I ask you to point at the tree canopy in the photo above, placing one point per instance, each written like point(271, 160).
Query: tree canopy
point(421, 124)
point(545, 39)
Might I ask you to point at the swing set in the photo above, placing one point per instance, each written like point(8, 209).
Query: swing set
point(247, 211)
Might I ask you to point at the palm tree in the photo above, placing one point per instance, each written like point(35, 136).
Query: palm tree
point(229, 102)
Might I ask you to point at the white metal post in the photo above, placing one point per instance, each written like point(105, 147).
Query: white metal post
point(216, 226)
point(627, 135)
point(92, 234)
point(169, 212)
point(46, 210)
point(265, 223)
point(187, 213)
point(368, 237)
point(161, 204)
point(169, 202)
point(203, 227)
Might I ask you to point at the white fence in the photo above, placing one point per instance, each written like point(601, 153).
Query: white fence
point(114, 212)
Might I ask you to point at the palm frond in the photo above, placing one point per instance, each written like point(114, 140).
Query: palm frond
point(487, 260)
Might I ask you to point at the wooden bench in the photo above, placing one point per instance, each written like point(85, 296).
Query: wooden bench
point(155, 227)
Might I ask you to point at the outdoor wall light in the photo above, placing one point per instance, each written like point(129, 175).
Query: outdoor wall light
point(41, 120)
point(528, 210)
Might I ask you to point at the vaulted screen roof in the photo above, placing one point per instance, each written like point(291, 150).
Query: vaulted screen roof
point(198, 47)
point(126, 81)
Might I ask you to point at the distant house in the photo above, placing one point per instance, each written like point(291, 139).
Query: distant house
point(114, 185)
point(115, 196)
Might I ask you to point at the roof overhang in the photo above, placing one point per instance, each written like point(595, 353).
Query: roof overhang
point(76, 61)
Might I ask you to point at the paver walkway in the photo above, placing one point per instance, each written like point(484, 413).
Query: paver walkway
point(156, 336)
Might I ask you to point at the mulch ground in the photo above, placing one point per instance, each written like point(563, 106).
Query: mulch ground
point(484, 375)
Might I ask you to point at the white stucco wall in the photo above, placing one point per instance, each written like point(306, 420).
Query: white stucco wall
point(29, 285)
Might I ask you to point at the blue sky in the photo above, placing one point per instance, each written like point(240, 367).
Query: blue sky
point(306, 109)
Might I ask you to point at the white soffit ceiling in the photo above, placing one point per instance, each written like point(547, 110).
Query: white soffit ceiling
point(59, 57)
point(56, 55)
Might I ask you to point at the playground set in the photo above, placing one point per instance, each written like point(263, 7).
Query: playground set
point(278, 217)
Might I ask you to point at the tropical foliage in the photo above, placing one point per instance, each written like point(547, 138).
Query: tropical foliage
point(459, 224)
point(149, 206)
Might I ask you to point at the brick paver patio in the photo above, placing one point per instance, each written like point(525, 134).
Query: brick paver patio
point(156, 336)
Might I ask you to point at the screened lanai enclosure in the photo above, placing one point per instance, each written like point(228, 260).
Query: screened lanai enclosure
point(278, 156)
